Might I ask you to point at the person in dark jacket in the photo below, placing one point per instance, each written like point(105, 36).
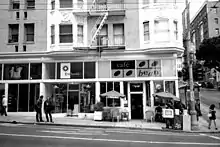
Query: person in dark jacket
point(212, 116)
point(38, 107)
point(48, 108)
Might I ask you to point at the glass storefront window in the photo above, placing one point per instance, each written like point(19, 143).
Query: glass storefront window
point(170, 87)
point(169, 68)
point(36, 71)
point(16, 71)
point(89, 70)
point(158, 86)
point(50, 71)
point(104, 69)
point(87, 97)
point(76, 70)
point(60, 98)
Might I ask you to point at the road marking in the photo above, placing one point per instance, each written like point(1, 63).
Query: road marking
point(111, 140)
point(10, 125)
point(152, 133)
point(73, 133)
point(211, 136)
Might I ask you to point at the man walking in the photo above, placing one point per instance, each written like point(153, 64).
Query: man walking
point(48, 108)
point(4, 106)
point(38, 107)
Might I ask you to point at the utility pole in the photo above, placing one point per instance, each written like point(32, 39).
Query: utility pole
point(190, 59)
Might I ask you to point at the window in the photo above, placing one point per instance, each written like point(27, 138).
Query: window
point(80, 33)
point(52, 4)
point(24, 48)
point(16, 48)
point(66, 3)
point(216, 20)
point(15, 5)
point(118, 30)
point(25, 15)
point(201, 32)
point(13, 33)
point(103, 36)
point(145, 2)
point(52, 28)
point(30, 4)
point(193, 38)
point(29, 32)
point(66, 34)
point(217, 31)
point(146, 31)
point(175, 29)
point(162, 30)
point(17, 15)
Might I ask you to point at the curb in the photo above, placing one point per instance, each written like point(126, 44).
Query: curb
point(106, 126)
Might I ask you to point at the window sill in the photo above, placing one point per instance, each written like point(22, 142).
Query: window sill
point(13, 43)
point(29, 42)
point(13, 9)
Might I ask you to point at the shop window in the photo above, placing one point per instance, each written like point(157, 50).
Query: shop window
point(89, 70)
point(73, 86)
point(87, 97)
point(76, 70)
point(50, 71)
point(60, 99)
point(169, 68)
point(15, 71)
point(104, 69)
point(158, 86)
point(109, 86)
point(33, 95)
point(170, 87)
point(35, 71)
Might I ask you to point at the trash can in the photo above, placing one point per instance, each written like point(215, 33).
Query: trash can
point(186, 122)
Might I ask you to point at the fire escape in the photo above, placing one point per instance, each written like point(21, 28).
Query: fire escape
point(101, 11)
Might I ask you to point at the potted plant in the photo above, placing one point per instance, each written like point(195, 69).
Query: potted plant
point(98, 108)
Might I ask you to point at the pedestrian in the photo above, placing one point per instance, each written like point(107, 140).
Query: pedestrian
point(212, 116)
point(48, 108)
point(198, 111)
point(4, 106)
point(38, 107)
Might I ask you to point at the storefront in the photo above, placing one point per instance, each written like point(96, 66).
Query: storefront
point(76, 84)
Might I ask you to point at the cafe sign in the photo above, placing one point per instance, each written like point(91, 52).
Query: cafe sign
point(122, 69)
point(148, 68)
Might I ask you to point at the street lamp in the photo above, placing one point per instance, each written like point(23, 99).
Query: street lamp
point(191, 54)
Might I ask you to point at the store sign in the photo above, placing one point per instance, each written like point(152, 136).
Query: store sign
point(168, 113)
point(148, 68)
point(122, 69)
point(65, 70)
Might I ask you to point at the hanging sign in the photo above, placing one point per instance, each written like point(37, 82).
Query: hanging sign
point(65, 70)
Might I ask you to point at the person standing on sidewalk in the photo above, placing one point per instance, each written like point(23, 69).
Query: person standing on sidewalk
point(38, 107)
point(212, 116)
point(48, 108)
point(4, 106)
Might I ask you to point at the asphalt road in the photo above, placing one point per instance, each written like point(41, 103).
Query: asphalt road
point(210, 96)
point(15, 135)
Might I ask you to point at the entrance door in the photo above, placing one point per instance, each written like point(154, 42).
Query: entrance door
point(136, 106)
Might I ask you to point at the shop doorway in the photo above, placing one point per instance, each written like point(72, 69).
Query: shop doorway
point(136, 106)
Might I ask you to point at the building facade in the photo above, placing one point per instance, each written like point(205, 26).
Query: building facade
point(205, 24)
point(86, 48)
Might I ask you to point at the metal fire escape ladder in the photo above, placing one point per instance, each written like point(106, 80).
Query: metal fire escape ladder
point(100, 22)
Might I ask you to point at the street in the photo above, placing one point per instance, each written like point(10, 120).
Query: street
point(55, 136)
point(210, 96)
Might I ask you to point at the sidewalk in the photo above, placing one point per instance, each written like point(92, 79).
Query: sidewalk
point(62, 120)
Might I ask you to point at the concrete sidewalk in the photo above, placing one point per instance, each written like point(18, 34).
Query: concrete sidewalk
point(62, 120)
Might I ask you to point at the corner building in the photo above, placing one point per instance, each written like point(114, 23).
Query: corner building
point(82, 49)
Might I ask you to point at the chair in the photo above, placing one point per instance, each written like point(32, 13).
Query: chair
point(115, 114)
point(149, 115)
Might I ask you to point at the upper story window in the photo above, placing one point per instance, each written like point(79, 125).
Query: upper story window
point(146, 31)
point(118, 34)
point(217, 31)
point(66, 33)
point(29, 32)
point(216, 20)
point(103, 36)
point(13, 33)
point(201, 33)
point(52, 4)
point(66, 3)
point(30, 4)
point(175, 23)
point(52, 28)
point(161, 30)
point(193, 38)
point(146, 2)
point(214, 10)
point(80, 33)
point(15, 4)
